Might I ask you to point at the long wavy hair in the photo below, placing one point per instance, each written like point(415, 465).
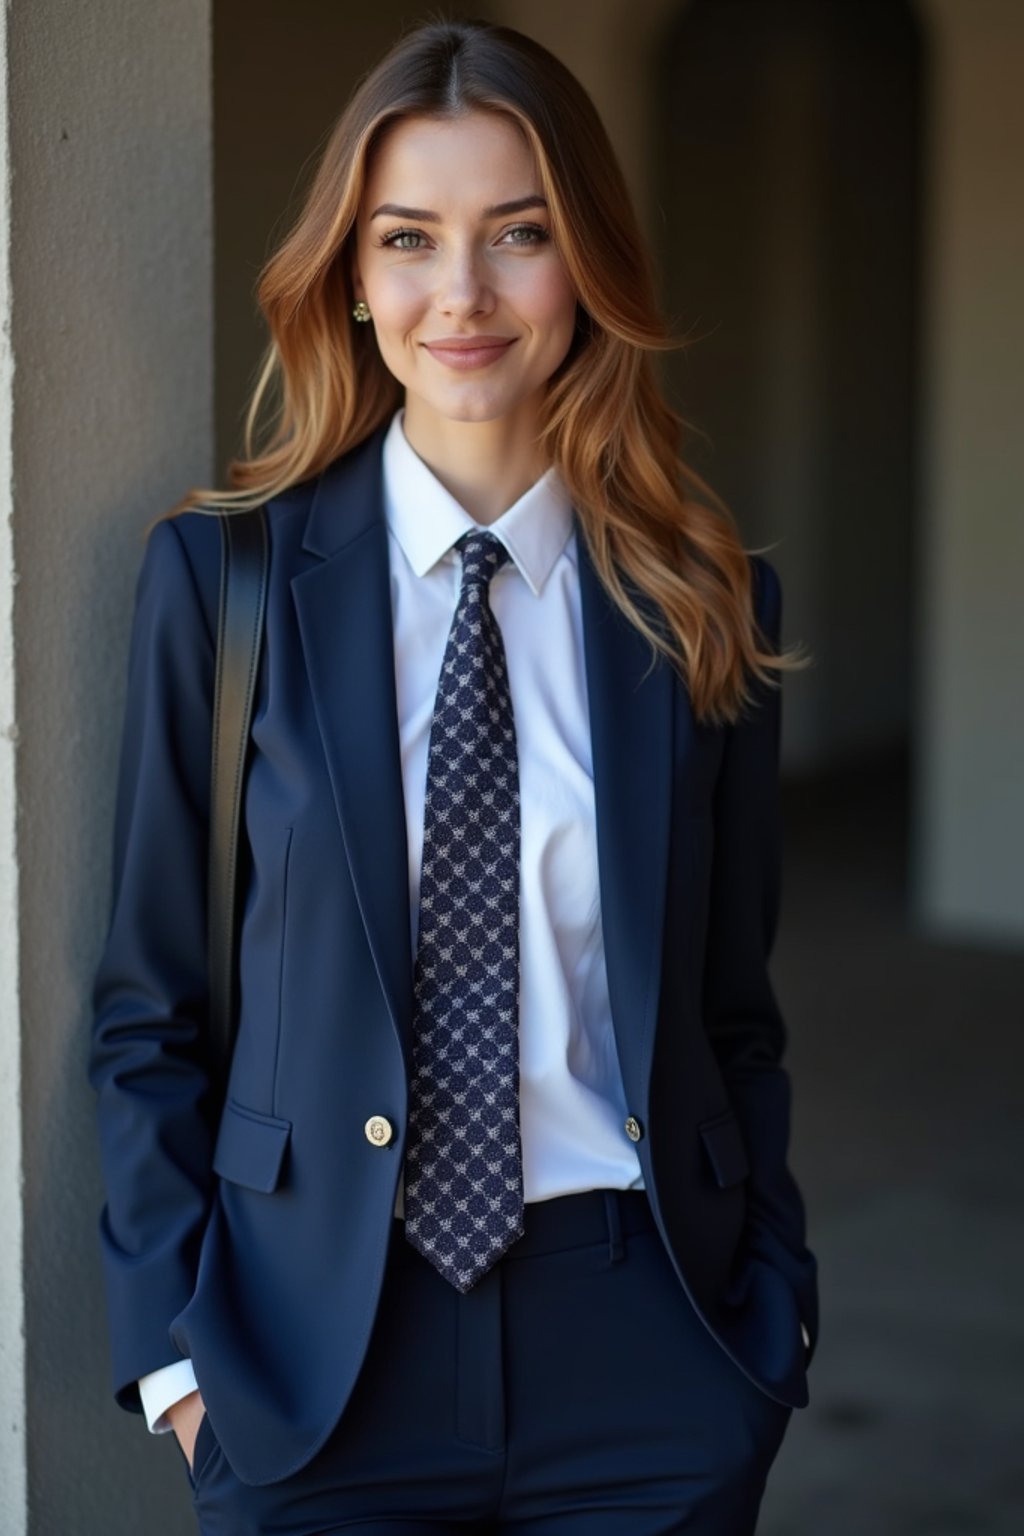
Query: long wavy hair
point(665, 547)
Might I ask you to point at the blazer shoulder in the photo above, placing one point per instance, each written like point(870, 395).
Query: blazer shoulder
point(195, 537)
point(186, 547)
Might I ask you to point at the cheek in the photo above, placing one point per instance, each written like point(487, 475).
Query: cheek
point(551, 303)
point(396, 298)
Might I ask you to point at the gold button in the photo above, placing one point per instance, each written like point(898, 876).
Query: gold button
point(634, 1130)
point(378, 1130)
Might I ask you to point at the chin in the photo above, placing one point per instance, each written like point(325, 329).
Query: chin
point(479, 413)
point(474, 408)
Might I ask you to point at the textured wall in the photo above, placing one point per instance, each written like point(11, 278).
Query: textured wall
point(111, 267)
point(971, 644)
point(12, 1313)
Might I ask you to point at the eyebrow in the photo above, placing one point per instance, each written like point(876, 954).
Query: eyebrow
point(426, 216)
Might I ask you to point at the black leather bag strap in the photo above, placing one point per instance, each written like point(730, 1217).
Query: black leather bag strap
point(243, 601)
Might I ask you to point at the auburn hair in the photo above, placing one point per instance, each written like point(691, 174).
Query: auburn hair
point(665, 547)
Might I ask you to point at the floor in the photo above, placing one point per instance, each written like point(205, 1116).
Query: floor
point(907, 1058)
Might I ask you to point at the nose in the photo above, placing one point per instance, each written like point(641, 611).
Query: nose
point(463, 288)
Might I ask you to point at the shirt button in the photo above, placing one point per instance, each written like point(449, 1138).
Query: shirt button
point(634, 1130)
point(378, 1130)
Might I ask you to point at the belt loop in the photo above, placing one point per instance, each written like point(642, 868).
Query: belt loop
point(611, 1206)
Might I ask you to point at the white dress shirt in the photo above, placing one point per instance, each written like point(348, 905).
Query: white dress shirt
point(572, 1105)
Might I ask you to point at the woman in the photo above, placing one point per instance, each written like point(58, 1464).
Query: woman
point(494, 1228)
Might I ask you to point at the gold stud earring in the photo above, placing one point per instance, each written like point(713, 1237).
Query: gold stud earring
point(361, 310)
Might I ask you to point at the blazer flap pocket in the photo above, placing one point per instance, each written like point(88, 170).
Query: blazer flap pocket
point(727, 1152)
point(250, 1147)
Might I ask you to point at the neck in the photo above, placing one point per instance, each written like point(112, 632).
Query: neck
point(485, 465)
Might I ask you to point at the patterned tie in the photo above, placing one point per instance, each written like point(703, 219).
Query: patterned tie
point(463, 1161)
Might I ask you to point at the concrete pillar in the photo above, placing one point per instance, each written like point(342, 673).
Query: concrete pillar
point(105, 418)
point(970, 650)
point(12, 1301)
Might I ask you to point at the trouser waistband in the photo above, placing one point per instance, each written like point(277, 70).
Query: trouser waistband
point(573, 1221)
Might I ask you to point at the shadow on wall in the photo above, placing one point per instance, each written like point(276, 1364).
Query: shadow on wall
point(789, 139)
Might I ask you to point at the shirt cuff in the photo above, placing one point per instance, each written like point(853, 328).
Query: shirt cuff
point(161, 1389)
point(807, 1337)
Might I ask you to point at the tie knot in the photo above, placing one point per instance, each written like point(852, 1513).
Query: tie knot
point(482, 554)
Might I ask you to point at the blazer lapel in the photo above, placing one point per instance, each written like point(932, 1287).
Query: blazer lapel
point(631, 728)
point(344, 613)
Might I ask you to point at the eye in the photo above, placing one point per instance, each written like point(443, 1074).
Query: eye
point(534, 234)
point(518, 234)
point(394, 236)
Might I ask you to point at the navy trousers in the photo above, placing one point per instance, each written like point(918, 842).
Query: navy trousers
point(572, 1392)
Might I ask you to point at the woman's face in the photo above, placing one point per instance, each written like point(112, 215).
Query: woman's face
point(454, 245)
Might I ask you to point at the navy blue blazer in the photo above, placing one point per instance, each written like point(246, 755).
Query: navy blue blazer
point(252, 1235)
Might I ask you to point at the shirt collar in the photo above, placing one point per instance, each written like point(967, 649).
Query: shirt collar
point(426, 519)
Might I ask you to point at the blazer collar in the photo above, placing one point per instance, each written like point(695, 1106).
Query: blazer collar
point(347, 498)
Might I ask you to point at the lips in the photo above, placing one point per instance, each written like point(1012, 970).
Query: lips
point(469, 351)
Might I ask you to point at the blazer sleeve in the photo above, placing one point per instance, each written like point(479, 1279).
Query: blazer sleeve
point(741, 1012)
point(148, 1061)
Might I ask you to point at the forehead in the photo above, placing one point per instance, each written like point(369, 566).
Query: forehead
point(461, 160)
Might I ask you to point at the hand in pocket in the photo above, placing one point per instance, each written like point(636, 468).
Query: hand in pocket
point(185, 1417)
